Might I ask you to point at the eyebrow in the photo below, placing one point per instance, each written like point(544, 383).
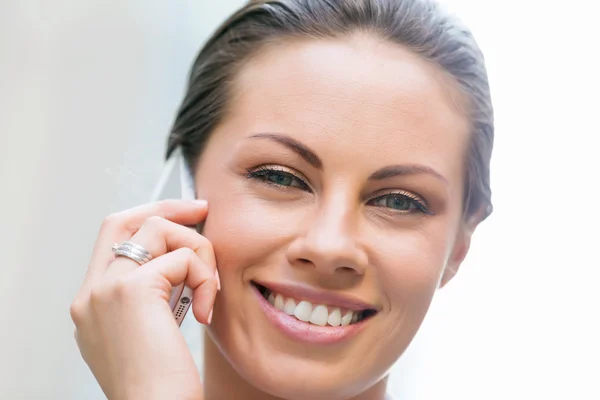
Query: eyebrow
point(406, 169)
point(307, 154)
point(311, 157)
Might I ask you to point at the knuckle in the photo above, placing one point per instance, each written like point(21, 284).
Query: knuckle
point(154, 221)
point(77, 311)
point(111, 221)
point(205, 251)
point(123, 286)
point(187, 254)
point(106, 292)
point(99, 294)
point(203, 244)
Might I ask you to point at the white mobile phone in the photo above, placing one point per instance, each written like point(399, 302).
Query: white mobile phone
point(176, 182)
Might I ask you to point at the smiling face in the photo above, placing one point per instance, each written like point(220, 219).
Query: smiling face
point(335, 182)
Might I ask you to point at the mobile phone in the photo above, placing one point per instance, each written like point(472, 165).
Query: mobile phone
point(176, 182)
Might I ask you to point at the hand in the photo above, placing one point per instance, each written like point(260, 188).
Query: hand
point(125, 329)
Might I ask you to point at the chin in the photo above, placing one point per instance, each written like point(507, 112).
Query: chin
point(296, 360)
point(291, 377)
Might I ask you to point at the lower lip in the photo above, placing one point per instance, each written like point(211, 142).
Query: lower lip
point(304, 331)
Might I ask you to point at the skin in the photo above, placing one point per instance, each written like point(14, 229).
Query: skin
point(333, 236)
point(331, 221)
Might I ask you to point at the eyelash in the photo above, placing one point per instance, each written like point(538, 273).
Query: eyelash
point(415, 201)
point(263, 172)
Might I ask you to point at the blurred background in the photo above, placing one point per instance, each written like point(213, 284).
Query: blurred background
point(88, 91)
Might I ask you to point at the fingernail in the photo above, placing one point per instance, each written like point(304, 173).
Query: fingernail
point(218, 279)
point(201, 202)
point(210, 316)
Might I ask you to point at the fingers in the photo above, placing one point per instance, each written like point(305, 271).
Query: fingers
point(119, 227)
point(184, 265)
point(180, 254)
point(159, 236)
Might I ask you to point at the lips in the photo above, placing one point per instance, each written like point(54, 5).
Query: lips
point(312, 331)
point(317, 314)
point(315, 307)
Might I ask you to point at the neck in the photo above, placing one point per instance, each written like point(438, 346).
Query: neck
point(222, 382)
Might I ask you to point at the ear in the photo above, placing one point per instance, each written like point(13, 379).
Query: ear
point(461, 247)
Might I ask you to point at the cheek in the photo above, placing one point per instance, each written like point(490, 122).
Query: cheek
point(410, 266)
point(246, 230)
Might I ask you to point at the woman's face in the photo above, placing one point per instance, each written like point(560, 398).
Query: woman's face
point(335, 183)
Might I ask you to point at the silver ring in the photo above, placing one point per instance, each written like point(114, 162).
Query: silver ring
point(132, 251)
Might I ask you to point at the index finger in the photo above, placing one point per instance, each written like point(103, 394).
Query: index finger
point(182, 212)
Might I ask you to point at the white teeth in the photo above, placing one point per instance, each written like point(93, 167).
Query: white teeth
point(303, 311)
point(347, 318)
point(319, 316)
point(335, 318)
point(279, 302)
point(290, 307)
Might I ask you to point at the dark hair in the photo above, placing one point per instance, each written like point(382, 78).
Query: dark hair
point(420, 25)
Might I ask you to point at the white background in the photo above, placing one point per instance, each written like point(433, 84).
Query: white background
point(88, 90)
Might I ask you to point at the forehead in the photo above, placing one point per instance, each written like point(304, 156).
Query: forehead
point(355, 96)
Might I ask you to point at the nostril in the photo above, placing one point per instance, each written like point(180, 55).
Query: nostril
point(304, 261)
point(346, 269)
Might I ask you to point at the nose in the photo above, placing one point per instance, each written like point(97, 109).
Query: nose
point(329, 243)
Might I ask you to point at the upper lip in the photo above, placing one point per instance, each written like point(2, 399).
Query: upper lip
point(300, 292)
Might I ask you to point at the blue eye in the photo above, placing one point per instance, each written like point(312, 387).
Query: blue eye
point(280, 179)
point(277, 177)
point(400, 202)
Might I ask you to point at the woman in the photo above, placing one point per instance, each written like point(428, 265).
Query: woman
point(340, 152)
